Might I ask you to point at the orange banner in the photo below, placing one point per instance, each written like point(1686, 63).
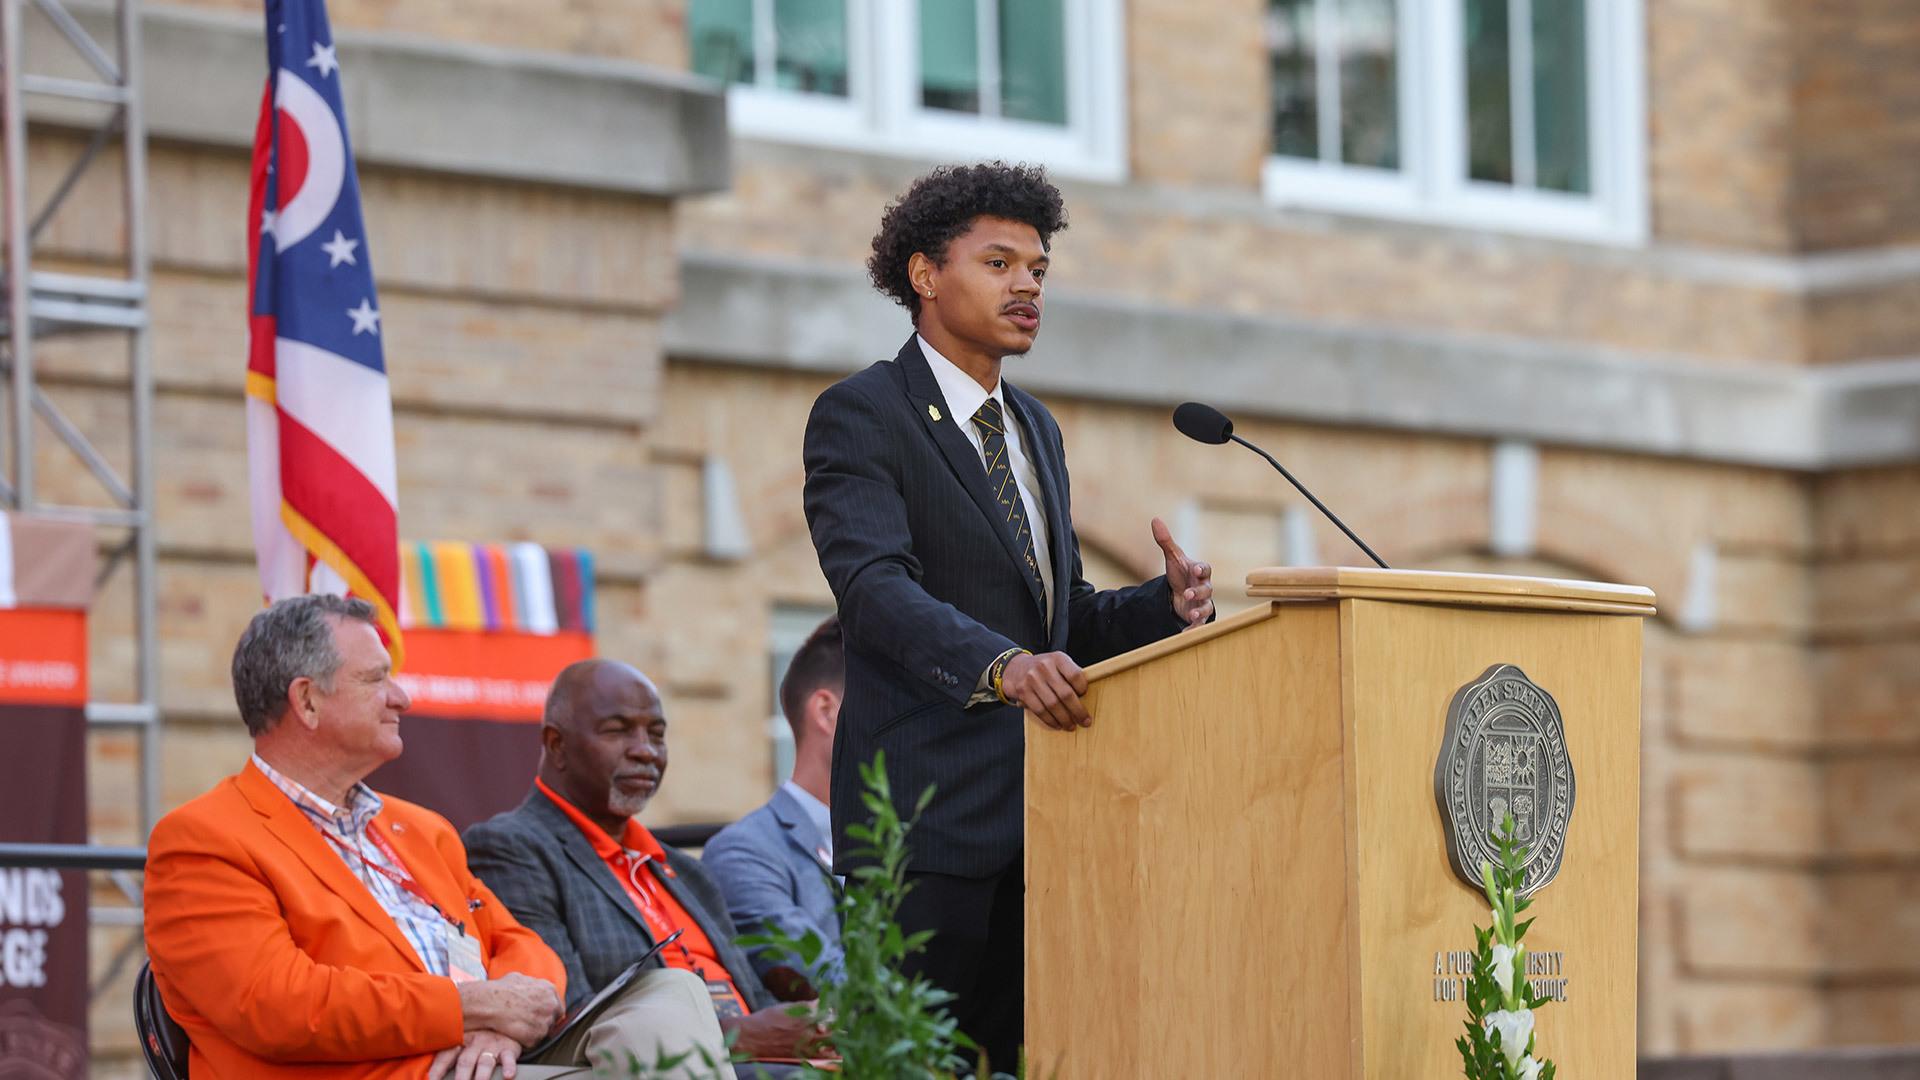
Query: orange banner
point(43, 656)
point(486, 675)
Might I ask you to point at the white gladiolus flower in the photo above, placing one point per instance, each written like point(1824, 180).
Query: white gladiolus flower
point(1529, 1069)
point(1516, 1030)
point(1502, 967)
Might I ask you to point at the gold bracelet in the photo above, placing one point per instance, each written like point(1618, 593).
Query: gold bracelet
point(998, 669)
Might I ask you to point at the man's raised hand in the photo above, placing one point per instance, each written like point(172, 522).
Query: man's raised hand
point(1190, 580)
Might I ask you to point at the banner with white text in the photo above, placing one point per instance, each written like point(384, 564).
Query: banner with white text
point(43, 800)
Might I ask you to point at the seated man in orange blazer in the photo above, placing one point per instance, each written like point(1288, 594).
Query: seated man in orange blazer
point(299, 924)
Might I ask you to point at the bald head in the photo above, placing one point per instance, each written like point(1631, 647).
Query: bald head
point(604, 740)
point(586, 688)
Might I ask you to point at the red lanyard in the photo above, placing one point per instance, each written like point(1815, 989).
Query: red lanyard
point(404, 878)
point(721, 986)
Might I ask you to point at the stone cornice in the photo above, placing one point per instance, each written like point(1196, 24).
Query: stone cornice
point(419, 103)
point(788, 315)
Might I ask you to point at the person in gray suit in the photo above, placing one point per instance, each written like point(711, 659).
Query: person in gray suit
point(774, 865)
point(574, 865)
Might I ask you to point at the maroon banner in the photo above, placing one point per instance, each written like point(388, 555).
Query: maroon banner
point(43, 913)
point(472, 736)
point(464, 770)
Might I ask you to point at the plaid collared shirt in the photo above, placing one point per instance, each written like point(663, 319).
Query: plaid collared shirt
point(345, 829)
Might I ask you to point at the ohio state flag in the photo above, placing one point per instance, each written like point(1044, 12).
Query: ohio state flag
point(319, 413)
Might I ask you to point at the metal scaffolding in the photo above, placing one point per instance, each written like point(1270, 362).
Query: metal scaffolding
point(78, 84)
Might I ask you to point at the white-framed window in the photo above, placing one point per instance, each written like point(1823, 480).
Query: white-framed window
point(1022, 80)
point(787, 629)
point(1518, 115)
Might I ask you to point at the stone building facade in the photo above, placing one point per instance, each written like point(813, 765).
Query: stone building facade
point(606, 318)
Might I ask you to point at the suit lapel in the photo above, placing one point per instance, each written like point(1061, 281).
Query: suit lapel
point(586, 860)
point(928, 404)
point(1053, 491)
point(291, 827)
point(423, 861)
point(739, 968)
point(796, 826)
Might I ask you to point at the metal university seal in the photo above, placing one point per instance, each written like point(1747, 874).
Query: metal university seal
point(1505, 753)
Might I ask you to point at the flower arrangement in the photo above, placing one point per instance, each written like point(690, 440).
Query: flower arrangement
point(1499, 1043)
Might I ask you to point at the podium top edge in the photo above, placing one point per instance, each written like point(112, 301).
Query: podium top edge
point(1447, 587)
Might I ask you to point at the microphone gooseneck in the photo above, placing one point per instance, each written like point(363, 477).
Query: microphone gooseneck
point(1206, 424)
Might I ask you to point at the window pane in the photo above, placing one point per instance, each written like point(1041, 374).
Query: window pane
point(1560, 95)
point(810, 46)
point(720, 36)
point(1296, 110)
point(1489, 92)
point(949, 55)
point(789, 628)
point(1369, 84)
point(1033, 60)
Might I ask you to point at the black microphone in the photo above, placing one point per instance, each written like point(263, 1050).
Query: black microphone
point(1206, 424)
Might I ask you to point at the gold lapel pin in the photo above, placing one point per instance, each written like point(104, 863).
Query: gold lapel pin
point(934, 412)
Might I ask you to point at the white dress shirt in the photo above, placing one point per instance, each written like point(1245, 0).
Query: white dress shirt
point(964, 397)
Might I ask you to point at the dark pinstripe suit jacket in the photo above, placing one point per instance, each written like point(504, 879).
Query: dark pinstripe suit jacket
point(931, 590)
point(536, 861)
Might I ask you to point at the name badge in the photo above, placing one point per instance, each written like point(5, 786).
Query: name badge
point(463, 955)
point(726, 1004)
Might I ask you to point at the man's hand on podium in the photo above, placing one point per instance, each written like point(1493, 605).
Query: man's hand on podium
point(1048, 686)
point(1190, 579)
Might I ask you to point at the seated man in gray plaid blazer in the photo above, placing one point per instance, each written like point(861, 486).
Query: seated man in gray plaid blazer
point(575, 867)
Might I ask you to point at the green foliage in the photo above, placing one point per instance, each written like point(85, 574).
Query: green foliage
point(663, 1065)
point(1481, 1050)
point(886, 1026)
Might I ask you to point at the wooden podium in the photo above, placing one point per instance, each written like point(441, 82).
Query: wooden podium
point(1242, 868)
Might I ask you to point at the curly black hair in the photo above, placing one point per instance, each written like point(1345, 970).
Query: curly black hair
point(944, 203)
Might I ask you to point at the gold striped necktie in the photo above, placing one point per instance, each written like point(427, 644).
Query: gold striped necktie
point(993, 446)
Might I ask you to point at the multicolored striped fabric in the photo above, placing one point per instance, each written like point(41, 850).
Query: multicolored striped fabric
point(452, 585)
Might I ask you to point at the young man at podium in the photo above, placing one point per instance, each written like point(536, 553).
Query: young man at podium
point(940, 506)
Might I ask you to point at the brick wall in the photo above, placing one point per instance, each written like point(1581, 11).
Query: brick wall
point(650, 31)
point(1856, 90)
point(1867, 665)
point(1229, 251)
point(1192, 121)
point(1720, 122)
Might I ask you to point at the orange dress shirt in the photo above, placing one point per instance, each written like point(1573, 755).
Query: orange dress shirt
point(279, 963)
point(663, 914)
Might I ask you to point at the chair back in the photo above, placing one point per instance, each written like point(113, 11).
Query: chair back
point(162, 1040)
